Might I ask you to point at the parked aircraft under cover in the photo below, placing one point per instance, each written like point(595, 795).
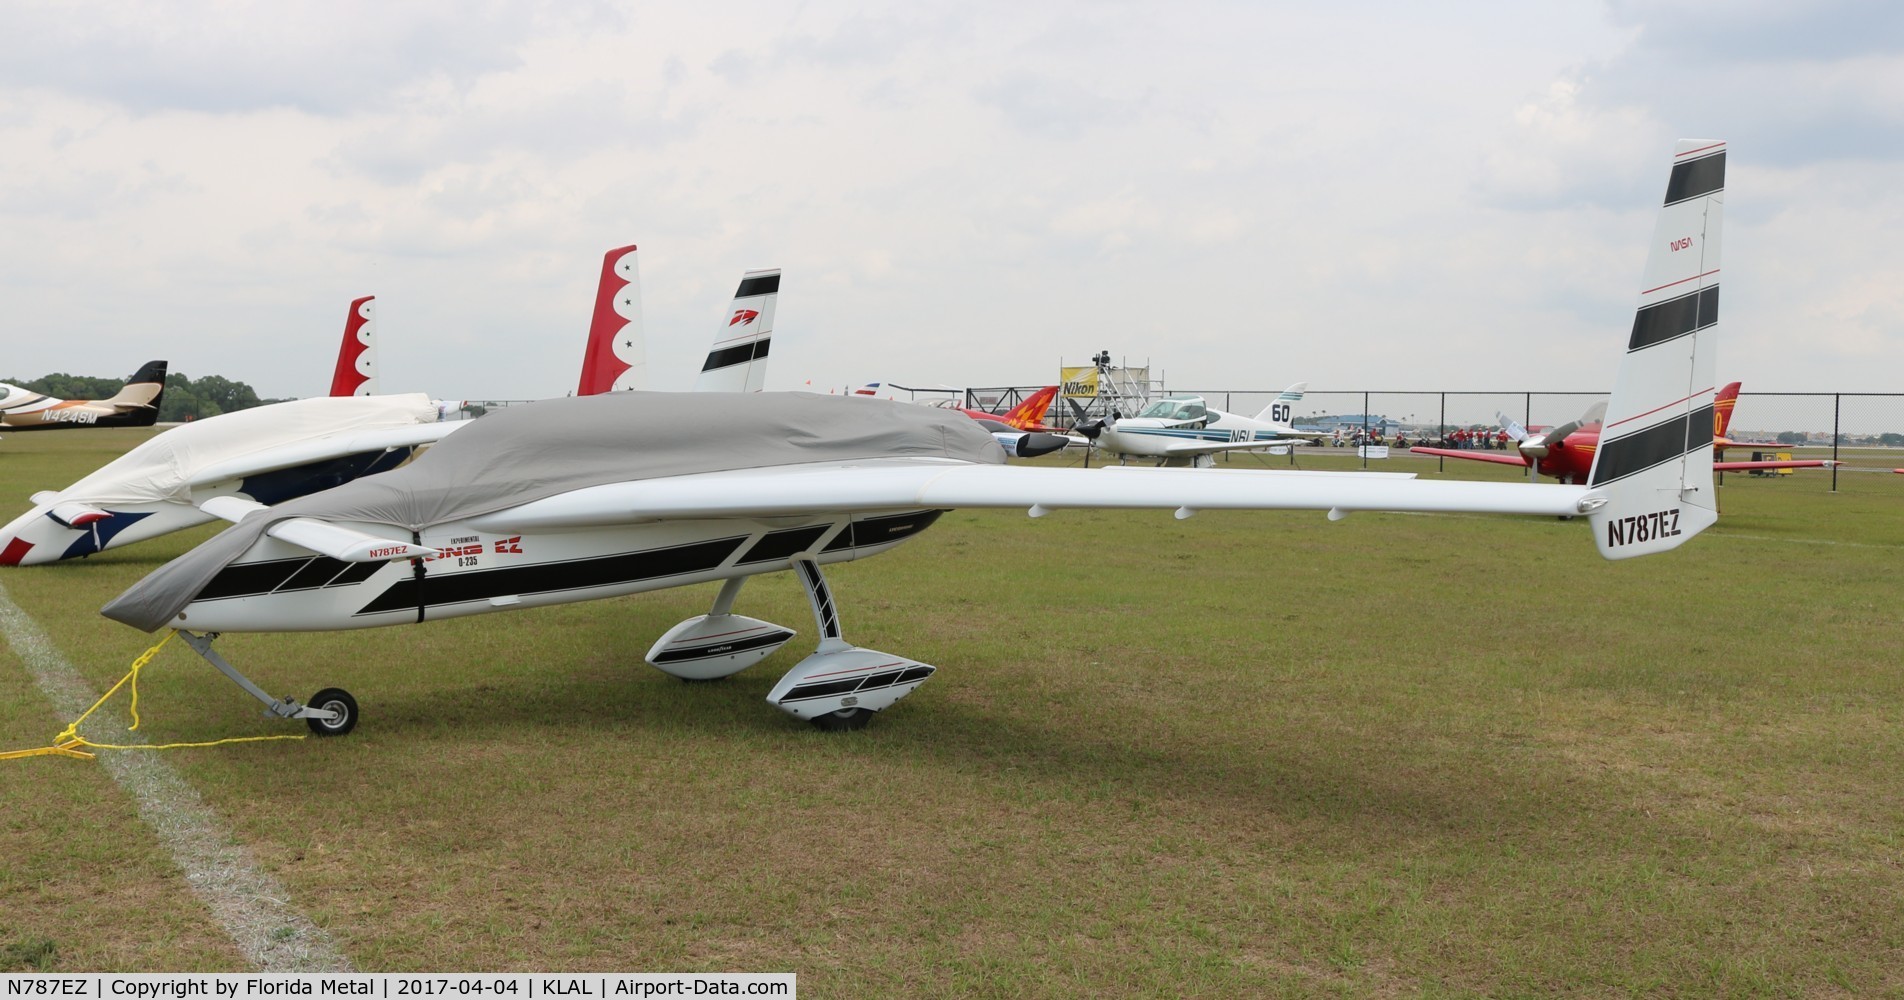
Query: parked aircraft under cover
point(593, 497)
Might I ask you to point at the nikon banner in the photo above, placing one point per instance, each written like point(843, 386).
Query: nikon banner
point(1079, 383)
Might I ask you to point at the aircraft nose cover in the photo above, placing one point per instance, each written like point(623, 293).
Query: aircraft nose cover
point(524, 453)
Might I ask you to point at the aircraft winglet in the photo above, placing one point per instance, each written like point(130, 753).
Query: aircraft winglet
point(617, 356)
point(1652, 471)
point(356, 371)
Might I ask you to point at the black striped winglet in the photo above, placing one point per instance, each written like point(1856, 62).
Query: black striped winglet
point(766, 283)
point(739, 354)
point(1696, 178)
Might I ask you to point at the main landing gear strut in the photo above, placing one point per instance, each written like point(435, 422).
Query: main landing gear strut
point(331, 712)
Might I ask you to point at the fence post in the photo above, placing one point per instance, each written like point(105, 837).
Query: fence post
point(1441, 431)
point(1837, 404)
point(1527, 412)
point(1364, 448)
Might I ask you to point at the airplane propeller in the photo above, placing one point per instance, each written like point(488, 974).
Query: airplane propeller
point(1535, 446)
point(1091, 429)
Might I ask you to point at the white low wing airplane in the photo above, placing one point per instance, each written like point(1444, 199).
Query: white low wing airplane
point(595, 497)
point(134, 405)
point(1184, 430)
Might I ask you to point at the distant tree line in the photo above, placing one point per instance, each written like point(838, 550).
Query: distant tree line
point(186, 398)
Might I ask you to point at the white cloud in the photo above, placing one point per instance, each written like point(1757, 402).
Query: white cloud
point(1394, 195)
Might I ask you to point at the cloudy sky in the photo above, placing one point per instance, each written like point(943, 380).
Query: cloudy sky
point(1365, 195)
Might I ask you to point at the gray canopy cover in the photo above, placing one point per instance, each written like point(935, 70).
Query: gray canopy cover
point(525, 453)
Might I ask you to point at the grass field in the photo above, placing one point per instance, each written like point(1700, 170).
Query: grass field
point(1238, 755)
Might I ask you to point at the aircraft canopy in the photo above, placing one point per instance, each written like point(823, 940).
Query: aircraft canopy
point(1177, 408)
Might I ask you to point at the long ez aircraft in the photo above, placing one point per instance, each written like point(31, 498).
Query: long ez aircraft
point(598, 496)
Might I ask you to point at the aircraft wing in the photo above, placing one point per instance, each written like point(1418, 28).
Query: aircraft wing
point(326, 539)
point(871, 486)
point(317, 449)
point(1512, 458)
point(1796, 463)
point(1185, 449)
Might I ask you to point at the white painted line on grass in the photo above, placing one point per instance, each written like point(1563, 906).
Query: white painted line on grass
point(1808, 541)
point(247, 902)
point(1717, 534)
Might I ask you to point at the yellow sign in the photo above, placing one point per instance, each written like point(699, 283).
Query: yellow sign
point(1079, 383)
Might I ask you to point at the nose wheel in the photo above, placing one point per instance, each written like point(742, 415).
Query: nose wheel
point(342, 708)
point(331, 712)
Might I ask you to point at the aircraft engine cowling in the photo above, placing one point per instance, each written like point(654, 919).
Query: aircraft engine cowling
point(1025, 444)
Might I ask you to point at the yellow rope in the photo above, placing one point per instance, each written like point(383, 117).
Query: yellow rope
point(68, 742)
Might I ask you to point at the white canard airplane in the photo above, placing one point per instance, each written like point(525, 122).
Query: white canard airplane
point(270, 454)
point(595, 497)
point(267, 453)
point(1185, 430)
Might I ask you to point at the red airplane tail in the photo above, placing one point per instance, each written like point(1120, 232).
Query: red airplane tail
point(1722, 405)
point(1030, 414)
point(356, 371)
point(617, 355)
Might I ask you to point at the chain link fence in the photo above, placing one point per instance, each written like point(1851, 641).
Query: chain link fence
point(1863, 432)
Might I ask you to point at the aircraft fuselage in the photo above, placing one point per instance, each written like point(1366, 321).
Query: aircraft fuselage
point(279, 587)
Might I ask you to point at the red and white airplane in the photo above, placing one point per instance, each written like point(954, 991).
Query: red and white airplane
point(1021, 431)
point(595, 497)
point(1566, 452)
point(1028, 415)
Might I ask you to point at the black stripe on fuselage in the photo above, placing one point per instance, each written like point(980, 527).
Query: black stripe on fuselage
point(781, 544)
point(1674, 318)
point(543, 578)
point(882, 529)
point(317, 573)
point(1663, 442)
point(1696, 178)
point(739, 354)
point(277, 575)
point(762, 285)
point(249, 579)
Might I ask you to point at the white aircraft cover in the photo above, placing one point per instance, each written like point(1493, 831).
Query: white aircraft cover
point(165, 467)
point(518, 455)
